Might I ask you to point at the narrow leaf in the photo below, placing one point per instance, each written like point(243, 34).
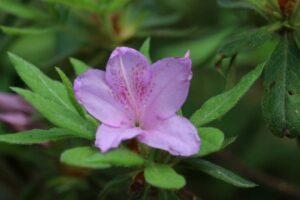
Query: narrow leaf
point(145, 49)
point(79, 4)
point(217, 106)
point(92, 157)
point(59, 115)
point(25, 31)
point(79, 66)
point(40, 83)
point(163, 176)
point(69, 87)
point(37, 136)
point(211, 140)
point(220, 173)
point(23, 11)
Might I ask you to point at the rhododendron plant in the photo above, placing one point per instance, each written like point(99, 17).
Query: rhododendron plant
point(136, 99)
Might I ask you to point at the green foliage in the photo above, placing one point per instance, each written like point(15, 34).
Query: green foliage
point(23, 11)
point(245, 41)
point(94, 6)
point(211, 140)
point(25, 31)
point(260, 6)
point(79, 66)
point(220, 173)
point(145, 49)
point(37, 136)
point(40, 83)
point(91, 157)
point(163, 176)
point(58, 114)
point(281, 100)
point(69, 87)
point(200, 48)
point(217, 106)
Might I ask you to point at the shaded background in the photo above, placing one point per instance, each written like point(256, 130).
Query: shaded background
point(61, 31)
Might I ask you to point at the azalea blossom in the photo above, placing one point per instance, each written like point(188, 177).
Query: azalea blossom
point(135, 99)
point(16, 112)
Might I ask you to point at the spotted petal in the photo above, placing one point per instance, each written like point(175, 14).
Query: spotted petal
point(95, 95)
point(169, 88)
point(128, 74)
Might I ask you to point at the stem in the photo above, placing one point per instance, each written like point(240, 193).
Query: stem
point(259, 177)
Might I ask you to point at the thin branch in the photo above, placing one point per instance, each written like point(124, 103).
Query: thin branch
point(257, 176)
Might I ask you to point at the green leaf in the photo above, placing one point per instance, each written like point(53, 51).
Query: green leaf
point(145, 49)
point(163, 176)
point(200, 49)
point(281, 101)
point(59, 115)
point(79, 4)
point(217, 106)
point(92, 158)
point(69, 87)
point(25, 31)
point(79, 66)
point(245, 41)
point(79, 157)
point(220, 173)
point(40, 83)
point(94, 6)
point(211, 140)
point(23, 11)
point(37, 136)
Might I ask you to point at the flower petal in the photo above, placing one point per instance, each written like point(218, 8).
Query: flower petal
point(128, 74)
point(13, 102)
point(17, 120)
point(95, 95)
point(170, 84)
point(176, 135)
point(109, 137)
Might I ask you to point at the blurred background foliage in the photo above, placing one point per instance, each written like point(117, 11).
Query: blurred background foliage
point(48, 32)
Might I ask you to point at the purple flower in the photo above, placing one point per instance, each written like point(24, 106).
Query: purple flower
point(136, 99)
point(15, 112)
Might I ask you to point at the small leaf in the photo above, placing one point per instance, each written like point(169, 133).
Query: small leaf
point(21, 10)
point(281, 100)
point(220, 173)
point(163, 176)
point(93, 158)
point(69, 88)
point(211, 140)
point(40, 83)
point(78, 157)
point(79, 66)
point(25, 31)
point(37, 136)
point(145, 49)
point(217, 106)
point(59, 115)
